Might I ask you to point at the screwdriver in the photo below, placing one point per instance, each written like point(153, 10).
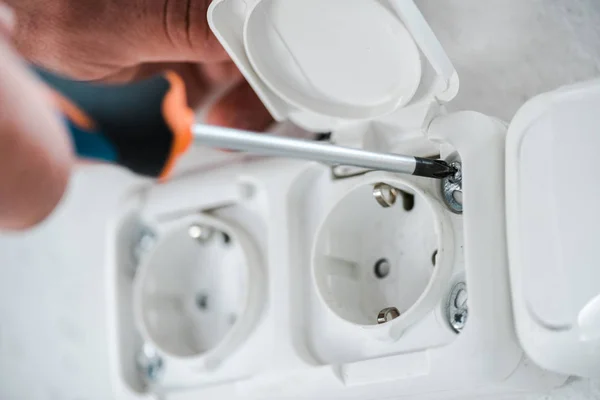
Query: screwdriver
point(146, 126)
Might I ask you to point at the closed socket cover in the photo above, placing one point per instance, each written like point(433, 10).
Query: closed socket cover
point(553, 217)
point(326, 64)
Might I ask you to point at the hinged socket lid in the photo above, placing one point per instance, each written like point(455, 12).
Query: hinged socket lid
point(327, 64)
point(553, 215)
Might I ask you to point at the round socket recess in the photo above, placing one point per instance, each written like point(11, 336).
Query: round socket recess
point(383, 266)
point(196, 295)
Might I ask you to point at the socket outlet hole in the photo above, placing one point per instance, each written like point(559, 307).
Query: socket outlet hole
point(202, 301)
point(408, 200)
point(226, 238)
point(434, 258)
point(382, 268)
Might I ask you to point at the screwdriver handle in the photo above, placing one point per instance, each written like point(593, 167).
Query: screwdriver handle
point(143, 126)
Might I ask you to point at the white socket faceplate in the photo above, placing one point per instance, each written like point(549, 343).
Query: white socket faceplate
point(290, 331)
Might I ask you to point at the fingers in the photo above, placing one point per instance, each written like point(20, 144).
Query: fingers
point(240, 108)
point(185, 24)
point(80, 39)
point(222, 73)
point(95, 39)
point(7, 20)
point(213, 74)
point(35, 155)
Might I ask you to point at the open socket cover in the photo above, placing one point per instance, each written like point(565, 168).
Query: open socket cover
point(359, 61)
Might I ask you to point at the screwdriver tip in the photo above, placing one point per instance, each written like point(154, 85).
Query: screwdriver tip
point(437, 169)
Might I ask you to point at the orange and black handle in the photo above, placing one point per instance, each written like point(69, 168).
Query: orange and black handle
point(144, 126)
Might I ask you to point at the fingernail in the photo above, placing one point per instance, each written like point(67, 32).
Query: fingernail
point(7, 19)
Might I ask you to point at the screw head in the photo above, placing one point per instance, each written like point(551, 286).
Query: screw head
point(149, 363)
point(201, 233)
point(458, 319)
point(451, 188)
point(144, 243)
point(457, 307)
point(457, 177)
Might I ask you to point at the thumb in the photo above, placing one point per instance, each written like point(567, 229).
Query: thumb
point(35, 155)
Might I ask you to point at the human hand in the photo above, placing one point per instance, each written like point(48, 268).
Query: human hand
point(35, 153)
point(121, 40)
point(97, 40)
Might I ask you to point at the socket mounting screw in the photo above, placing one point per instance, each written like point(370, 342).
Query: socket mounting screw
point(149, 363)
point(452, 190)
point(144, 243)
point(457, 308)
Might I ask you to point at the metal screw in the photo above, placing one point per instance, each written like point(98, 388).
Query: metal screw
point(201, 233)
point(452, 189)
point(457, 177)
point(145, 242)
point(459, 319)
point(149, 363)
point(457, 307)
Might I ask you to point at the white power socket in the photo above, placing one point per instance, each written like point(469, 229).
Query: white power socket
point(265, 273)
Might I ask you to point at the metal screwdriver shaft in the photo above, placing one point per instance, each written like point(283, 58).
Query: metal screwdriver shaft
point(268, 145)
